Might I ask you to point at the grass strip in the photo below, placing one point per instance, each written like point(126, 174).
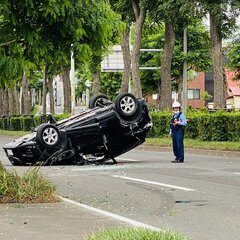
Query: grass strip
point(13, 133)
point(197, 144)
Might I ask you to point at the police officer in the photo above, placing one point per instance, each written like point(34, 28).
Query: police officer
point(177, 124)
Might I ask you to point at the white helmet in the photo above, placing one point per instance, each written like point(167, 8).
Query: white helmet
point(176, 105)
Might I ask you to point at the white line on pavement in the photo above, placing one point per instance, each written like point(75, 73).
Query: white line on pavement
point(112, 215)
point(127, 159)
point(154, 183)
point(238, 173)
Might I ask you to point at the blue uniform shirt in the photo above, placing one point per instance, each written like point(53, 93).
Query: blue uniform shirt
point(182, 118)
point(178, 117)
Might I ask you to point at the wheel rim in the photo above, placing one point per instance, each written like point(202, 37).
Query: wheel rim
point(50, 136)
point(127, 104)
point(99, 102)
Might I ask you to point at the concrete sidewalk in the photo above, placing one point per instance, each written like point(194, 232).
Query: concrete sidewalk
point(57, 221)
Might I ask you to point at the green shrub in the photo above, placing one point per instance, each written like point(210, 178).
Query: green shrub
point(59, 117)
point(219, 128)
point(233, 127)
point(191, 131)
point(15, 124)
point(161, 123)
point(128, 233)
point(27, 123)
point(5, 123)
point(205, 126)
point(37, 120)
point(32, 187)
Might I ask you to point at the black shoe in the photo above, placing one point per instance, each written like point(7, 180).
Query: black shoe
point(181, 160)
point(175, 161)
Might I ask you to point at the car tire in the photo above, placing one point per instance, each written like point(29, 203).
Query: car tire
point(48, 135)
point(126, 105)
point(99, 100)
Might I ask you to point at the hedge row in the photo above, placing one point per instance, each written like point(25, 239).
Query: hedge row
point(25, 123)
point(218, 126)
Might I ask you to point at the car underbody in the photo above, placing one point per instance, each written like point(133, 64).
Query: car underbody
point(96, 135)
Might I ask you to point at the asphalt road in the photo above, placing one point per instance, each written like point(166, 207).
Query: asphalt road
point(199, 198)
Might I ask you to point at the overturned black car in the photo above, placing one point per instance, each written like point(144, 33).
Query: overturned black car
point(106, 130)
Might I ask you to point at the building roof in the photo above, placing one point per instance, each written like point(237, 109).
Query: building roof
point(233, 86)
point(234, 91)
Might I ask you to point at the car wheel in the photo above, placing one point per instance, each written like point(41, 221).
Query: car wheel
point(126, 104)
point(99, 100)
point(48, 135)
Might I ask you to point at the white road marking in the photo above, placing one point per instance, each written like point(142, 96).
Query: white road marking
point(238, 173)
point(154, 183)
point(127, 159)
point(112, 215)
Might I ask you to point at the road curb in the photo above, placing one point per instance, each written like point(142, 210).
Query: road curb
point(193, 151)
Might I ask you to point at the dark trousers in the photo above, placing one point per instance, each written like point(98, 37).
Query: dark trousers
point(177, 142)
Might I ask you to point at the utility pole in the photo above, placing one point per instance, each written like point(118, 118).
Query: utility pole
point(184, 84)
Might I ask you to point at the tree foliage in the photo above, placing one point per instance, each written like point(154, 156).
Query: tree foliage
point(233, 56)
point(45, 32)
point(198, 56)
point(41, 34)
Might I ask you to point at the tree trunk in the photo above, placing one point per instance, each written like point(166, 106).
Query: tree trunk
point(218, 64)
point(44, 94)
point(5, 104)
point(16, 97)
point(51, 96)
point(126, 59)
point(96, 82)
point(165, 85)
point(25, 100)
point(1, 102)
point(66, 90)
point(12, 102)
point(140, 15)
